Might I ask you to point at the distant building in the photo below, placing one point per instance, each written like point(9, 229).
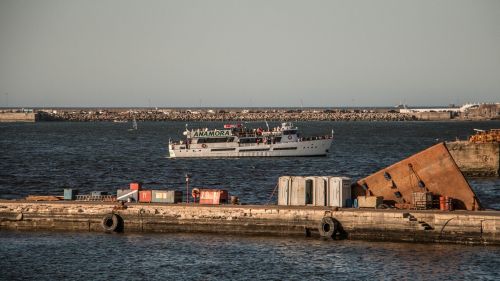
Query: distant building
point(461, 109)
point(488, 111)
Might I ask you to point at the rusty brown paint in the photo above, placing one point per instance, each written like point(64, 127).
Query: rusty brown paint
point(431, 170)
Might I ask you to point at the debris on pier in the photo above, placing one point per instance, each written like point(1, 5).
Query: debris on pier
point(483, 136)
point(42, 198)
point(432, 170)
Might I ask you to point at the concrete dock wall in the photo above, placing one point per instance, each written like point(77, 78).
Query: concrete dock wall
point(476, 159)
point(17, 117)
point(389, 225)
point(433, 116)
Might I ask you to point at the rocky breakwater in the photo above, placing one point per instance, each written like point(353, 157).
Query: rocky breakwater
point(221, 115)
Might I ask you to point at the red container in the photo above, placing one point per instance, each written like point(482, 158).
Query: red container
point(135, 185)
point(145, 196)
point(442, 203)
point(445, 203)
point(213, 196)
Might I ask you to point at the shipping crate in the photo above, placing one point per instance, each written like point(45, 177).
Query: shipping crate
point(314, 191)
point(70, 194)
point(166, 196)
point(127, 195)
point(136, 185)
point(421, 200)
point(145, 196)
point(370, 201)
point(213, 196)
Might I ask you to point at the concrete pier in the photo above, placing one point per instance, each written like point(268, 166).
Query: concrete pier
point(476, 159)
point(479, 227)
point(18, 117)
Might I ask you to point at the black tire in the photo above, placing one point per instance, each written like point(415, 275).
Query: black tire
point(328, 227)
point(111, 223)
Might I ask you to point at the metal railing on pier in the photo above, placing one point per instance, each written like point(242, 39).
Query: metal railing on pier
point(103, 198)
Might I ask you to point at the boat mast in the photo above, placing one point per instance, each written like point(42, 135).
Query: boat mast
point(187, 136)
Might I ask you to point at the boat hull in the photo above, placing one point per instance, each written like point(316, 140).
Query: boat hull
point(302, 148)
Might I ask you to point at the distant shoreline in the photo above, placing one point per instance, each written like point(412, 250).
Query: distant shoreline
point(483, 112)
point(246, 115)
point(222, 115)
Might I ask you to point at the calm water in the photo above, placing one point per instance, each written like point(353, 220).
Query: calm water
point(95, 256)
point(44, 158)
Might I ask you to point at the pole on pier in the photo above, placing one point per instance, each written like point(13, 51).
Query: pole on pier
point(187, 188)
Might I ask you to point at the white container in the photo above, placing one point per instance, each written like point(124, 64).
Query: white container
point(314, 191)
point(284, 191)
point(321, 191)
point(339, 191)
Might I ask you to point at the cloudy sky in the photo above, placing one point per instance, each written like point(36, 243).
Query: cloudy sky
point(248, 53)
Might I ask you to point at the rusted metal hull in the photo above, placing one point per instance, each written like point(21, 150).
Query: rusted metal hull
point(431, 170)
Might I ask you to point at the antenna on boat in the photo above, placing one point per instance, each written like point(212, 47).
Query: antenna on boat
point(267, 125)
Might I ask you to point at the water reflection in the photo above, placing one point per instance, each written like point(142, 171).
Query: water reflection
point(82, 256)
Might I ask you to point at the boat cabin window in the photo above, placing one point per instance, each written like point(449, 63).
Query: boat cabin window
point(251, 140)
point(289, 132)
point(214, 140)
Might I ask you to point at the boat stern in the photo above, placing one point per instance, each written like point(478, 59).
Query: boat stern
point(171, 152)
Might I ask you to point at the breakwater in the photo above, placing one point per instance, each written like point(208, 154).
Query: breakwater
point(221, 115)
point(480, 227)
point(476, 159)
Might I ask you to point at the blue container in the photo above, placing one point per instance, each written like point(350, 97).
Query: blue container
point(70, 194)
point(355, 203)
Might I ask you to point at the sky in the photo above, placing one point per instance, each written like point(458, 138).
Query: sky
point(218, 53)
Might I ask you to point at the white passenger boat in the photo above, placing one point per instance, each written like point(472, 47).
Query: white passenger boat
point(237, 141)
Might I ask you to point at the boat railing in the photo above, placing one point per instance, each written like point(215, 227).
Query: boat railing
point(315, 138)
point(248, 135)
point(250, 144)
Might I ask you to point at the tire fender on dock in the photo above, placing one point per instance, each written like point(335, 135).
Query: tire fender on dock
point(112, 223)
point(328, 227)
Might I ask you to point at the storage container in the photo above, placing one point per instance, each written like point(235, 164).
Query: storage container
point(314, 190)
point(213, 196)
point(369, 201)
point(70, 194)
point(339, 191)
point(421, 200)
point(127, 195)
point(292, 191)
point(166, 196)
point(320, 191)
point(145, 196)
point(135, 185)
